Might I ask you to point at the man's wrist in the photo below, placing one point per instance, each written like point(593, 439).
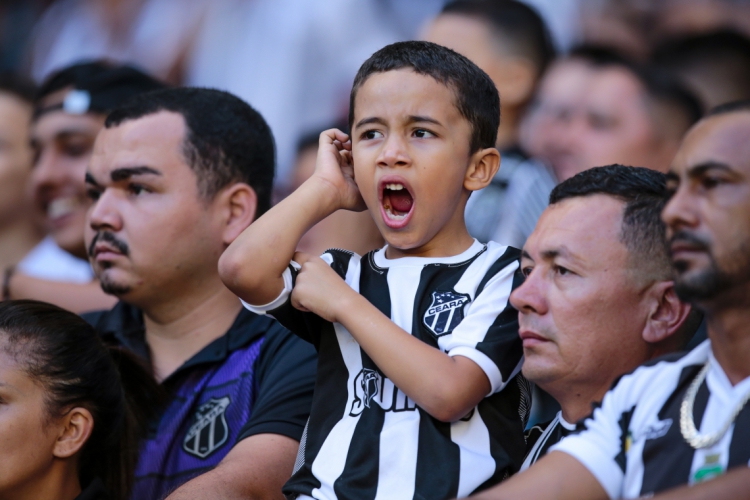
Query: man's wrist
point(325, 193)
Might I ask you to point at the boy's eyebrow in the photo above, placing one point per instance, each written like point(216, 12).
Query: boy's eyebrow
point(90, 180)
point(121, 174)
point(417, 118)
point(367, 121)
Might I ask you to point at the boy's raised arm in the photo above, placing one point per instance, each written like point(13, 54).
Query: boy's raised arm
point(252, 266)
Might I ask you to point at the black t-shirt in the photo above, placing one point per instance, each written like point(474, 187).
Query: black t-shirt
point(257, 378)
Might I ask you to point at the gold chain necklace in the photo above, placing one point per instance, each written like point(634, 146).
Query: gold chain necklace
point(687, 425)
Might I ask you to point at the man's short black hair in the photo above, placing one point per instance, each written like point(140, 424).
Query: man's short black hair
point(96, 87)
point(723, 55)
point(17, 86)
point(663, 89)
point(517, 27)
point(226, 139)
point(476, 95)
point(730, 107)
point(644, 192)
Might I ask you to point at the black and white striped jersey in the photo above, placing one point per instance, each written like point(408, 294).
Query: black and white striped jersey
point(541, 437)
point(633, 444)
point(365, 438)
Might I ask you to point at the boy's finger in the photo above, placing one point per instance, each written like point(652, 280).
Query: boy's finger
point(331, 135)
point(302, 257)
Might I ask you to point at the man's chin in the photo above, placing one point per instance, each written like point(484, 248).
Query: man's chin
point(112, 286)
point(698, 285)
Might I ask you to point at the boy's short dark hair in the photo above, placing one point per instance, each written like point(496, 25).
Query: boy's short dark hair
point(226, 140)
point(644, 192)
point(476, 95)
point(17, 86)
point(517, 27)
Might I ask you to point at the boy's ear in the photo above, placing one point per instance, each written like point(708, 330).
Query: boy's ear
point(76, 428)
point(484, 165)
point(239, 204)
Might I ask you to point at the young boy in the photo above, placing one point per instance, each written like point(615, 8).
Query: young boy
point(417, 340)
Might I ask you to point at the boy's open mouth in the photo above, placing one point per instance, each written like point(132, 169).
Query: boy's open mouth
point(397, 202)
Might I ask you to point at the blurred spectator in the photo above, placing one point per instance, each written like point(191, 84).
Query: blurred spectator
point(20, 229)
point(629, 114)
point(73, 410)
point(69, 112)
point(293, 60)
point(509, 41)
point(353, 231)
point(17, 19)
point(715, 65)
point(155, 35)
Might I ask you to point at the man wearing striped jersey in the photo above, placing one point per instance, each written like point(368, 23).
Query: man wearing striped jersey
point(418, 393)
point(598, 299)
point(683, 420)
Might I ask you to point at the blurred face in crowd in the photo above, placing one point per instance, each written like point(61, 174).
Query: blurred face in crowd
point(27, 437)
point(613, 125)
point(708, 217)
point(15, 156)
point(150, 234)
point(559, 97)
point(581, 311)
point(62, 145)
point(472, 37)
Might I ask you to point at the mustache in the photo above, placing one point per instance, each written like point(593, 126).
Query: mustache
point(689, 238)
point(110, 238)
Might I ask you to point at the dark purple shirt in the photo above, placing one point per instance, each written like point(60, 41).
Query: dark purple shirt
point(257, 378)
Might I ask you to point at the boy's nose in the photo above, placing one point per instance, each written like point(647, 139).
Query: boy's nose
point(394, 153)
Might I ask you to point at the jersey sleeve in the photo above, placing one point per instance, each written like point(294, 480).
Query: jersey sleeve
point(305, 325)
point(488, 334)
point(285, 378)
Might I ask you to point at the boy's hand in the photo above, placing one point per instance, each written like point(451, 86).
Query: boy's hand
point(318, 289)
point(334, 166)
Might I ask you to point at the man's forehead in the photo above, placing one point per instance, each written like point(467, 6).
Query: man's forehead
point(55, 123)
point(153, 140)
point(581, 226)
point(723, 139)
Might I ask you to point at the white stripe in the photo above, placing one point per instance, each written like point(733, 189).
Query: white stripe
point(476, 462)
point(331, 459)
point(399, 439)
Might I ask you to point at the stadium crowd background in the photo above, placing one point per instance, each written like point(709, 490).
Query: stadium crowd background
point(616, 82)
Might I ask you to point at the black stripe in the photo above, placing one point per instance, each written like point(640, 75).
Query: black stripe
point(438, 460)
point(667, 459)
point(739, 449)
point(510, 256)
point(359, 479)
point(500, 414)
point(625, 437)
point(501, 342)
point(329, 403)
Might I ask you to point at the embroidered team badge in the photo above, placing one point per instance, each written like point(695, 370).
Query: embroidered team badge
point(210, 429)
point(445, 312)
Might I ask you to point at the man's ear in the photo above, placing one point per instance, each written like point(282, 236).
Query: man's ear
point(667, 314)
point(484, 165)
point(75, 429)
point(239, 206)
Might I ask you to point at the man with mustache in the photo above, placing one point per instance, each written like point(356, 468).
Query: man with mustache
point(174, 177)
point(684, 419)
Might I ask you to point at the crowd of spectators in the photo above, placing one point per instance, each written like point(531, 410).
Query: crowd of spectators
point(563, 316)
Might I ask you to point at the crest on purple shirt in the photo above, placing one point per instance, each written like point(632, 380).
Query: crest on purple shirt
point(445, 312)
point(209, 430)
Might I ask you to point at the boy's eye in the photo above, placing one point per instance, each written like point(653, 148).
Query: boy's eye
point(422, 133)
point(372, 134)
point(562, 271)
point(93, 194)
point(526, 271)
point(710, 182)
point(137, 189)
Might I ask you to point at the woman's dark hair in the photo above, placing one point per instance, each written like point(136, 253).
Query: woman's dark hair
point(64, 354)
point(476, 95)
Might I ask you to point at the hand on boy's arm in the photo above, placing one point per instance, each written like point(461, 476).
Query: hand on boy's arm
point(447, 387)
point(253, 264)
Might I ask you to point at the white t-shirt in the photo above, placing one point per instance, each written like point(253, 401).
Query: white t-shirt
point(50, 262)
